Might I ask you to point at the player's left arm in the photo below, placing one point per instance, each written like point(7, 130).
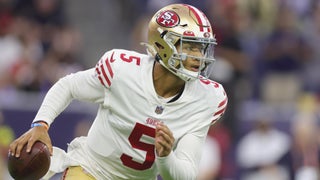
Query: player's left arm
point(183, 162)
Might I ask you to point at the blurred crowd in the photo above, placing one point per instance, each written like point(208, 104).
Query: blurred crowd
point(37, 45)
point(268, 59)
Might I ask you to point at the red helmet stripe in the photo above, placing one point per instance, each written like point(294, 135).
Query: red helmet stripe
point(201, 18)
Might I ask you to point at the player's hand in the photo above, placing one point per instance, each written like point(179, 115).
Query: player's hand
point(164, 140)
point(34, 134)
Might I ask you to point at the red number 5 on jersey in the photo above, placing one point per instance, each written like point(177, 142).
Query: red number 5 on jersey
point(135, 140)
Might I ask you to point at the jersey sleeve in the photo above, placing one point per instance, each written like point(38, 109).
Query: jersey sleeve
point(89, 85)
point(83, 86)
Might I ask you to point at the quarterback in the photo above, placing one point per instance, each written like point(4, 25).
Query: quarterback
point(155, 109)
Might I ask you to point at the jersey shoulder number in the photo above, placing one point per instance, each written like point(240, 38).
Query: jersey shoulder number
point(108, 63)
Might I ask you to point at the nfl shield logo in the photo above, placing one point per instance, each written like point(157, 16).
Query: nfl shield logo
point(159, 109)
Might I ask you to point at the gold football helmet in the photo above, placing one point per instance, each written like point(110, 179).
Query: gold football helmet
point(175, 26)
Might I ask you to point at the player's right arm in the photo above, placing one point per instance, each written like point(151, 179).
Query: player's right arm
point(83, 85)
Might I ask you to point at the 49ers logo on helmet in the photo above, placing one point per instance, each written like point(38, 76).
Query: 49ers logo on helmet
point(168, 19)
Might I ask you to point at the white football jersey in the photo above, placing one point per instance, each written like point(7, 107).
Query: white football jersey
point(120, 143)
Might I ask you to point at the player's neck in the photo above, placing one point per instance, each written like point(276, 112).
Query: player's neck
point(165, 83)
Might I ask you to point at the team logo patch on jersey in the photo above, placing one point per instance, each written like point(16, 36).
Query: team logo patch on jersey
point(168, 19)
point(159, 110)
point(153, 122)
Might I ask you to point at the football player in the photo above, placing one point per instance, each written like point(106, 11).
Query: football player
point(155, 109)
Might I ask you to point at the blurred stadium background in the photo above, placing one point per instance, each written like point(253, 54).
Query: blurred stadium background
point(268, 58)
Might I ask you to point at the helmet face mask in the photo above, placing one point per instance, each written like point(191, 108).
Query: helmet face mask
point(179, 33)
point(184, 50)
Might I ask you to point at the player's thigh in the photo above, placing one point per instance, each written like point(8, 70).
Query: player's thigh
point(76, 173)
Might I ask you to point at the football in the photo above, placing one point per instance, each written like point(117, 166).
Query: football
point(30, 166)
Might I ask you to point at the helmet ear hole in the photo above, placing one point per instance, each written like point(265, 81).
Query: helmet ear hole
point(159, 45)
